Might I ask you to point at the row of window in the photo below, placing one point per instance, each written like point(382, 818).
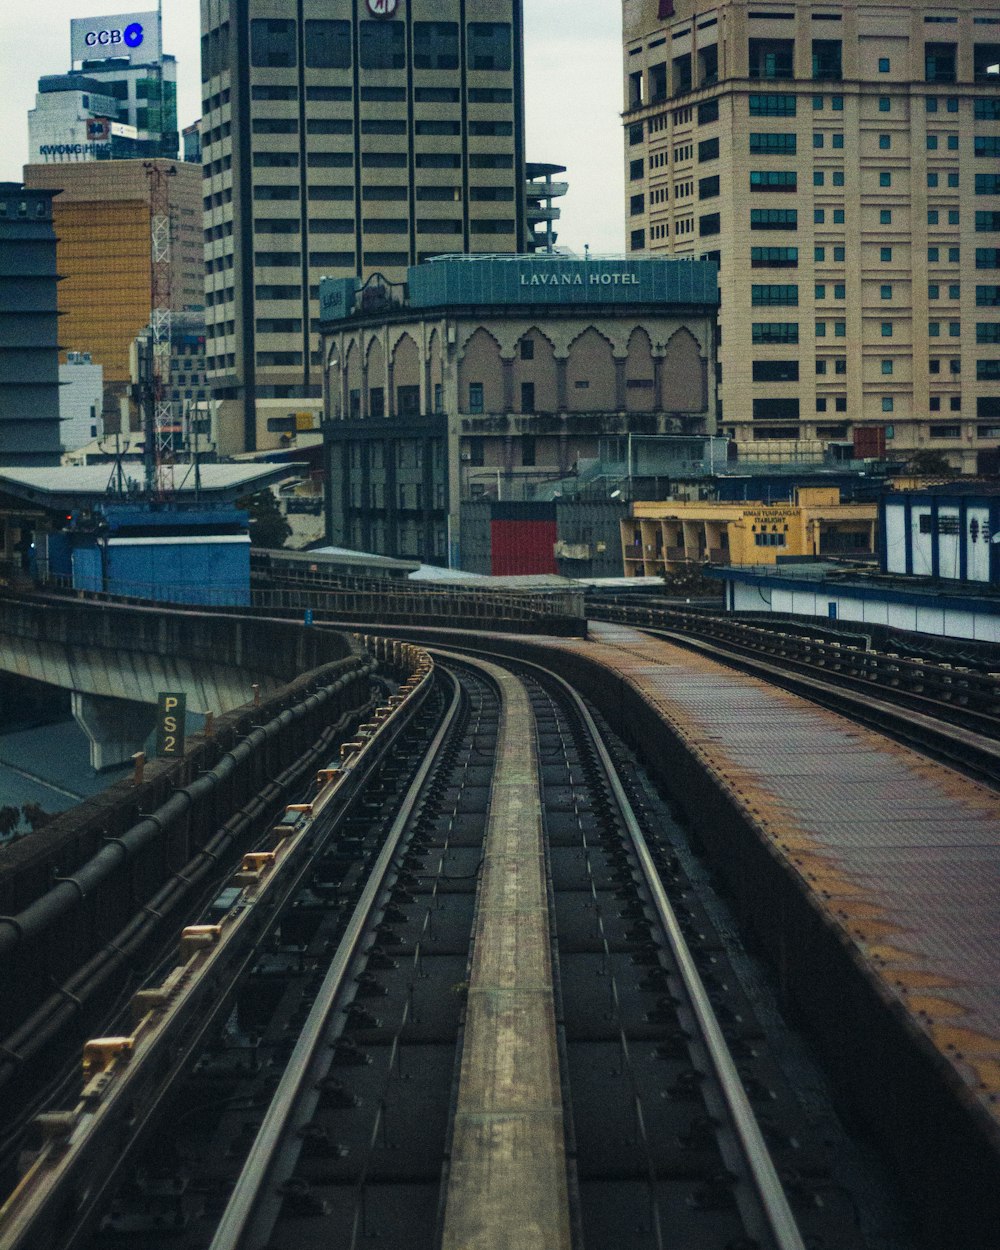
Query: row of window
point(784, 105)
point(376, 160)
point(329, 44)
point(377, 126)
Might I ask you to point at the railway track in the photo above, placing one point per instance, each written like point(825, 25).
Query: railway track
point(947, 711)
point(329, 1085)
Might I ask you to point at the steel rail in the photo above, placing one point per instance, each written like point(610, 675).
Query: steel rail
point(264, 1152)
point(781, 1223)
point(167, 1033)
point(963, 749)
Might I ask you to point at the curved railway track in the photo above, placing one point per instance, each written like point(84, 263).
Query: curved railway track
point(950, 712)
point(318, 1087)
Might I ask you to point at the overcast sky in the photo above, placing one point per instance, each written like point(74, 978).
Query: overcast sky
point(573, 93)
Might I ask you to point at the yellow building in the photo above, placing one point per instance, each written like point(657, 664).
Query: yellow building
point(104, 255)
point(661, 537)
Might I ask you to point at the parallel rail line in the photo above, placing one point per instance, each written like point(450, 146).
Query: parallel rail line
point(670, 1142)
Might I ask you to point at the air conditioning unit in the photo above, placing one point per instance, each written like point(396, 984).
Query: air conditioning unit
point(466, 455)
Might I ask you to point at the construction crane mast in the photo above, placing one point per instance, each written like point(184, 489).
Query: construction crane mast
point(159, 456)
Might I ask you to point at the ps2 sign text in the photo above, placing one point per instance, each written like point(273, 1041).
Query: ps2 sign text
point(170, 719)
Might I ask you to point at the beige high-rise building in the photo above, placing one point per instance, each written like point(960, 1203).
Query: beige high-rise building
point(841, 162)
point(343, 138)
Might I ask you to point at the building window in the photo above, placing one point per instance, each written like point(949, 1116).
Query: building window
point(885, 217)
point(774, 219)
point(934, 329)
point(954, 329)
point(886, 329)
point(819, 253)
point(935, 403)
point(772, 180)
point(820, 404)
point(776, 332)
point(884, 178)
point(838, 216)
point(475, 397)
point(820, 367)
point(527, 349)
point(382, 45)
point(953, 180)
point(953, 255)
point(818, 139)
point(883, 65)
point(884, 104)
point(839, 290)
point(885, 291)
point(840, 329)
point(637, 240)
point(767, 143)
point(527, 397)
point(489, 45)
point(273, 43)
point(887, 368)
point(635, 169)
point(819, 216)
point(774, 294)
point(887, 403)
point(840, 403)
point(821, 329)
point(708, 149)
point(818, 177)
point(435, 45)
point(885, 253)
point(328, 44)
point(884, 142)
point(838, 177)
point(819, 291)
point(775, 370)
point(933, 291)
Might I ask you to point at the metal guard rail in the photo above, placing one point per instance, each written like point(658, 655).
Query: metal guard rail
point(947, 683)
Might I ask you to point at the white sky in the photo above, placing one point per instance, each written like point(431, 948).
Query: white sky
point(573, 93)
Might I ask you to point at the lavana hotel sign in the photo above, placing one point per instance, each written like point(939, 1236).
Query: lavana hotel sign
point(135, 36)
point(577, 279)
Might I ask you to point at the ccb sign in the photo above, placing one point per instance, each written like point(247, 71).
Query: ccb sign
point(132, 35)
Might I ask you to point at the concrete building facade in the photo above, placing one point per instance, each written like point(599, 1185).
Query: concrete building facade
point(497, 378)
point(339, 139)
point(103, 219)
point(662, 537)
point(81, 401)
point(840, 162)
point(29, 329)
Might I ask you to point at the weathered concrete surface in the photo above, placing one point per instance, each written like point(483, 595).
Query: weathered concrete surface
point(507, 1186)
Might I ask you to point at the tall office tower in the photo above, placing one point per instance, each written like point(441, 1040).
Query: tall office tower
point(343, 138)
point(840, 161)
point(29, 335)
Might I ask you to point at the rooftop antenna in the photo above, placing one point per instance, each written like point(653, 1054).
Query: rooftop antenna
point(116, 482)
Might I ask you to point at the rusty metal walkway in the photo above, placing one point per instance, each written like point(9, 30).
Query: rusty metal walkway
point(900, 853)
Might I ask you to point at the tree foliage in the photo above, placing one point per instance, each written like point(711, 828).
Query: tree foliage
point(928, 463)
point(268, 526)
